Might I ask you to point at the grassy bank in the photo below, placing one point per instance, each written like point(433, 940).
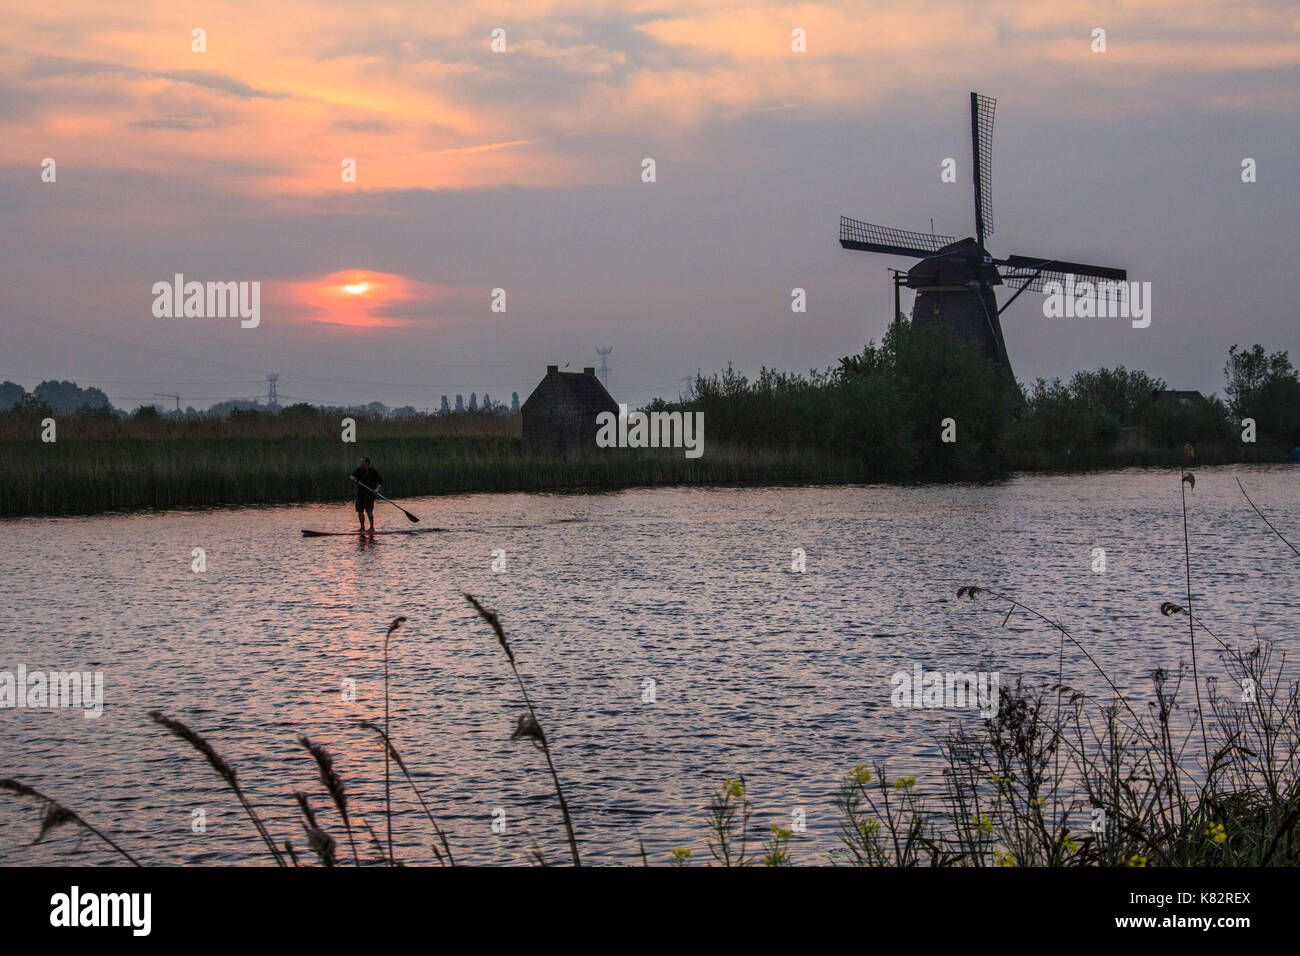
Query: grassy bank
point(86, 476)
point(98, 474)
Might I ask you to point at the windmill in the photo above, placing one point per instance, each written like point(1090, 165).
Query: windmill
point(954, 279)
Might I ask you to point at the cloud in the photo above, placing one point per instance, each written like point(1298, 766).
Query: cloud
point(51, 67)
point(425, 103)
point(177, 122)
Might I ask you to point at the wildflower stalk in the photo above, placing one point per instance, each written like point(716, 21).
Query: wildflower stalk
point(334, 787)
point(55, 814)
point(530, 726)
point(1189, 478)
point(388, 793)
point(223, 769)
point(401, 765)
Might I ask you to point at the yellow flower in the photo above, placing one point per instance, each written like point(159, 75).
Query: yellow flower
point(868, 827)
point(680, 853)
point(1068, 842)
point(904, 783)
point(982, 823)
point(1004, 859)
point(1215, 832)
point(1136, 860)
point(733, 788)
point(861, 774)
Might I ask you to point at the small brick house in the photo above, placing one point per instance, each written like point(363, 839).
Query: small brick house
point(560, 415)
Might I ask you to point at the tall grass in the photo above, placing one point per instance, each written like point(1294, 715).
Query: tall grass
point(85, 477)
point(529, 727)
point(54, 815)
point(292, 422)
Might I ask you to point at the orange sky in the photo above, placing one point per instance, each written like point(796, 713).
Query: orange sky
point(285, 92)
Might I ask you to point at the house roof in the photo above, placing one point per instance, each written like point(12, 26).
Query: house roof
point(1177, 395)
point(583, 386)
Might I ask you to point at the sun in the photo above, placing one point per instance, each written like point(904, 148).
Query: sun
point(358, 297)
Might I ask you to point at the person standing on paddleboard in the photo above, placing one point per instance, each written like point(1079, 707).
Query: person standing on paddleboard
point(365, 475)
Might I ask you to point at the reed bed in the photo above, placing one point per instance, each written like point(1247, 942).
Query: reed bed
point(1203, 772)
point(91, 476)
point(97, 475)
point(293, 422)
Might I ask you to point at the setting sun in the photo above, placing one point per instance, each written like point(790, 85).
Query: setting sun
point(357, 297)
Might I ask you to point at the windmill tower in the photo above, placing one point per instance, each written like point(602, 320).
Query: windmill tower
point(603, 371)
point(954, 279)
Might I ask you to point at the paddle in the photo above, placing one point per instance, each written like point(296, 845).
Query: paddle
point(409, 516)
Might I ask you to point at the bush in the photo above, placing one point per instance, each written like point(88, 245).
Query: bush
point(1266, 388)
point(1171, 424)
point(884, 406)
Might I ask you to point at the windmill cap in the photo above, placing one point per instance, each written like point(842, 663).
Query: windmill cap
point(552, 369)
point(589, 370)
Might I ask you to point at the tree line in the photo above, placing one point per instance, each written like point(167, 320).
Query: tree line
point(889, 404)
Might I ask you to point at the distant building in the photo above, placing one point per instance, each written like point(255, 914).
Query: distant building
point(560, 415)
point(1180, 397)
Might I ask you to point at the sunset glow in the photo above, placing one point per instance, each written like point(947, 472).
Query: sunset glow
point(368, 300)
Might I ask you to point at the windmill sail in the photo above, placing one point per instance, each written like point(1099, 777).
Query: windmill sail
point(981, 146)
point(1033, 273)
point(868, 237)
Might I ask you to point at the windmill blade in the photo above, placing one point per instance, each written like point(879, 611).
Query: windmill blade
point(868, 237)
point(1034, 272)
point(981, 147)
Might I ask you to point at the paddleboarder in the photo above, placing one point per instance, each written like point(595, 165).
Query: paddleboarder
point(365, 475)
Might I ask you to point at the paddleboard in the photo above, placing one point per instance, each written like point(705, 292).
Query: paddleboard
point(352, 534)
